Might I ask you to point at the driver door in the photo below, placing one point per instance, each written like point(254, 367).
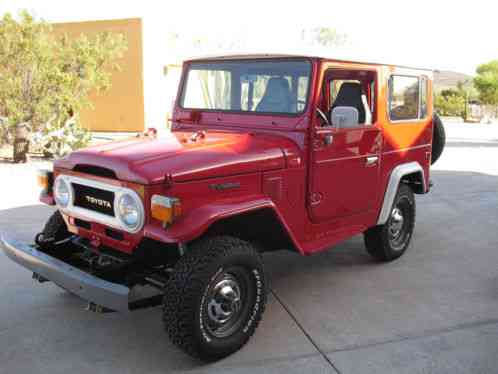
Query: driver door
point(345, 170)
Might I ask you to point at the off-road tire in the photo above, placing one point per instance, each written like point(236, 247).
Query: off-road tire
point(379, 240)
point(55, 230)
point(438, 138)
point(185, 298)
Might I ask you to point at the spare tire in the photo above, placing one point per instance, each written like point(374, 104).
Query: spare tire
point(438, 138)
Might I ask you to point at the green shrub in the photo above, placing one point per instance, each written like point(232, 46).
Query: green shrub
point(47, 79)
point(450, 104)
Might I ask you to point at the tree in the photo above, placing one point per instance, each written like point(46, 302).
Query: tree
point(486, 82)
point(323, 36)
point(24, 59)
point(46, 79)
point(450, 103)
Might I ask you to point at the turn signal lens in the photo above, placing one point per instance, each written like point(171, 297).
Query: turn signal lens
point(43, 178)
point(165, 209)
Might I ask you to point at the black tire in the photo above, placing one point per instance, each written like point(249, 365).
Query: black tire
point(55, 230)
point(438, 138)
point(193, 296)
point(389, 241)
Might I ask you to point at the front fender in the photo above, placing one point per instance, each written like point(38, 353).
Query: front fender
point(197, 221)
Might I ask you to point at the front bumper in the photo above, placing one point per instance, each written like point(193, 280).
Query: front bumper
point(95, 290)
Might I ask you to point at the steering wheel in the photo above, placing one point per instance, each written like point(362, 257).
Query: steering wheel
point(323, 117)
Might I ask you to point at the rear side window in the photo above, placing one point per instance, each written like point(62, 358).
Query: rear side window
point(404, 98)
point(423, 97)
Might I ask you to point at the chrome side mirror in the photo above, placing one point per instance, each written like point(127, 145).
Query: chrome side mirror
point(345, 117)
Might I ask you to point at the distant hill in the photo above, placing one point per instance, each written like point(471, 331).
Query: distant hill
point(445, 79)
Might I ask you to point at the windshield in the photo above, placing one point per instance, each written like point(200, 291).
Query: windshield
point(277, 86)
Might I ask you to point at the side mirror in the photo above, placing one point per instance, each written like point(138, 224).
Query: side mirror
point(345, 117)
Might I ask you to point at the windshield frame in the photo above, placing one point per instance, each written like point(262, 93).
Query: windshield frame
point(184, 79)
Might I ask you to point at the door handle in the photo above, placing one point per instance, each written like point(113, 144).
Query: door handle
point(328, 139)
point(371, 161)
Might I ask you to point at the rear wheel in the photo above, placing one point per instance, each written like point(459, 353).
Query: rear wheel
point(215, 297)
point(389, 241)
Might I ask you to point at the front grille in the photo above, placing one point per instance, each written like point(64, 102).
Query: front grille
point(95, 199)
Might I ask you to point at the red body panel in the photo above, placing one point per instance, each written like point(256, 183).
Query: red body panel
point(149, 160)
point(321, 193)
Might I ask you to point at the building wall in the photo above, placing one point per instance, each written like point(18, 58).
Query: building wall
point(121, 108)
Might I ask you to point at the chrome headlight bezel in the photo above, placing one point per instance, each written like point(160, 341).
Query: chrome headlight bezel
point(135, 198)
point(114, 221)
point(61, 181)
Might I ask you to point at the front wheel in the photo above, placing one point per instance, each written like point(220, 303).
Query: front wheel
point(215, 297)
point(389, 241)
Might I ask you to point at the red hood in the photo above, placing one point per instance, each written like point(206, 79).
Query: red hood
point(147, 161)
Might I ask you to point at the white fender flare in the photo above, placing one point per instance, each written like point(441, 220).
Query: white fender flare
point(392, 187)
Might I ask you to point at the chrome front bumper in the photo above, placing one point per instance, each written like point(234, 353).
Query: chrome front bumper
point(95, 290)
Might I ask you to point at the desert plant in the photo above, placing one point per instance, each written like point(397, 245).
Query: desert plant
point(46, 78)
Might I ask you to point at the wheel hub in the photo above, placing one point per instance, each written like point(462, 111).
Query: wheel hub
point(396, 224)
point(225, 300)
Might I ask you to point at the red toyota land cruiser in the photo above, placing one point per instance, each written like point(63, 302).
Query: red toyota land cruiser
point(266, 152)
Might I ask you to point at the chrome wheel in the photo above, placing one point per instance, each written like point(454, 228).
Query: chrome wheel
point(398, 225)
point(225, 303)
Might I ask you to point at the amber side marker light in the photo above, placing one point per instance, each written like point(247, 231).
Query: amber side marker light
point(165, 209)
point(44, 179)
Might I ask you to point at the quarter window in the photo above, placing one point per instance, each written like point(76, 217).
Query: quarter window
point(404, 98)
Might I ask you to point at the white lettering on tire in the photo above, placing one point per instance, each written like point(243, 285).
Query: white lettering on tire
point(255, 310)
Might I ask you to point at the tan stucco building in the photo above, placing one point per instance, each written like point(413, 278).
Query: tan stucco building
point(121, 108)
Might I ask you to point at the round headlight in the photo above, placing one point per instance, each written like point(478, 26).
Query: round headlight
point(129, 211)
point(61, 192)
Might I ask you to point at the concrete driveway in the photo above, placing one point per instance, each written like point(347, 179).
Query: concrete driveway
point(435, 310)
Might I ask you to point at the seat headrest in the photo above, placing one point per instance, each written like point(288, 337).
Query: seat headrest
point(277, 96)
point(277, 87)
point(349, 91)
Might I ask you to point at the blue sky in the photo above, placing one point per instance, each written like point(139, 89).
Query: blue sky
point(433, 34)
